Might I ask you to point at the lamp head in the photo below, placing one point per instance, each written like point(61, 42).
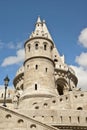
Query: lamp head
point(6, 80)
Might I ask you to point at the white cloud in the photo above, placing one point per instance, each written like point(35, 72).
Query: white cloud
point(14, 59)
point(83, 37)
point(11, 45)
point(17, 45)
point(82, 59)
point(81, 74)
point(81, 70)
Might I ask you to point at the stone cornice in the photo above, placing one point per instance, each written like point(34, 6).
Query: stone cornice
point(44, 38)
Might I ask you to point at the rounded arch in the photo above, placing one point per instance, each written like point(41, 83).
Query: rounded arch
point(55, 60)
point(61, 85)
point(36, 44)
point(33, 126)
point(79, 108)
point(20, 121)
point(8, 116)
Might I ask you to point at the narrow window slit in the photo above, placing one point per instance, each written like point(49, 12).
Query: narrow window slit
point(35, 86)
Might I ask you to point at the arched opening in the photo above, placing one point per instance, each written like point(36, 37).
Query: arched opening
point(20, 121)
point(45, 47)
point(70, 119)
point(79, 108)
point(78, 119)
point(37, 107)
point(61, 85)
point(61, 119)
point(46, 69)
point(29, 47)
point(36, 46)
point(55, 60)
point(35, 86)
point(60, 89)
point(36, 67)
point(51, 48)
point(32, 126)
point(8, 116)
point(45, 105)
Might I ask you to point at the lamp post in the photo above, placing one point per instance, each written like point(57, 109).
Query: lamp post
point(6, 81)
point(68, 73)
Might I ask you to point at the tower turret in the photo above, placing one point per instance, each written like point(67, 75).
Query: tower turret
point(38, 64)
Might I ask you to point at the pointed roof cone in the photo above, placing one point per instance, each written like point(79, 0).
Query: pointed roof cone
point(45, 29)
point(38, 20)
point(41, 30)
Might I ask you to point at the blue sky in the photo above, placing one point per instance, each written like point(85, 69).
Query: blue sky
point(66, 21)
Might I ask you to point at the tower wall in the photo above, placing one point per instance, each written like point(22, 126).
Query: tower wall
point(38, 46)
point(39, 67)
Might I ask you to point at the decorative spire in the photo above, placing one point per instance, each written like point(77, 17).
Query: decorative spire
point(41, 30)
point(38, 19)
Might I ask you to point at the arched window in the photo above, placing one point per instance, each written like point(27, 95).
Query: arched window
point(36, 67)
point(79, 108)
point(8, 116)
point(27, 66)
point(54, 101)
point(78, 119)
point(60, 89)
point(61, 118)
point(36, 46)
point(20, 121)
point(55, 60)
point(45, 46)
point(51, 48)
point(28, 47)
point(45, 105)
point(35, 86)
point(36, 107)
point(70, 119)
point(46, 69)
point(33, 126)
point(52, 118)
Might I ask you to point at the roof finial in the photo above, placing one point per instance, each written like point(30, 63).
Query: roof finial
point(38, 20)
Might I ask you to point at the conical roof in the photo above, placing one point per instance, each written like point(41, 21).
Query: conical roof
point(41, 30)
point(38, 19)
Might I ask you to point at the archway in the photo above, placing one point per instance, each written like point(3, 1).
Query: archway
point(61, 85)
point(60, 89)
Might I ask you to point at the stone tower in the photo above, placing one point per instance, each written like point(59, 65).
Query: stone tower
point(45, 75)
point(39, 65)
